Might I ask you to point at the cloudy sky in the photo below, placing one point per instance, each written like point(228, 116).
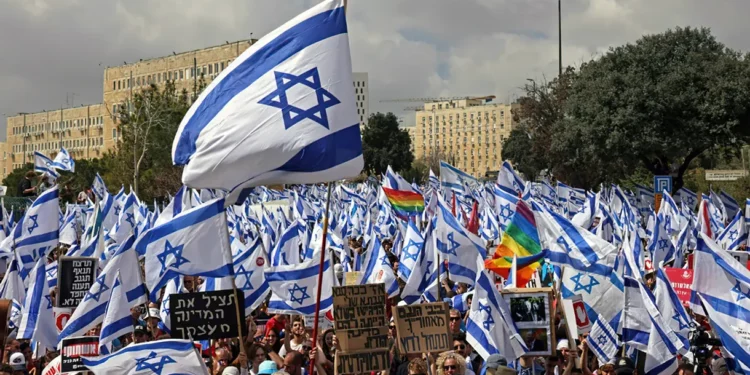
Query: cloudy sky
point(53, 52)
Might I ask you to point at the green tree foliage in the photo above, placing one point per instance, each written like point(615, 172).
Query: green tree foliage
point(657, 103)
point(418, 172)
point(142, 157)
point(517, 149)
point(13, 178)
point(384, 143)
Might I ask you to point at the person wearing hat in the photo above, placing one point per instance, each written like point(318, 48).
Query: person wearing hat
point(496, 365)
point(624, 366)
point(266, 368)
point(18, 363)
point(152, 321)
point(140, 335)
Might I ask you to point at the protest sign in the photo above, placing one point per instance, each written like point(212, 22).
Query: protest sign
point(62, 314)
point(75, 275)
point(533, 314)
point(53, 368)
point(323, 322)
point(583, 324)
point(681, 280)
point(360, 317)
point(205, 315)
point(352, 277)
point(423, 328)
point(361, 363)
point(76, 347)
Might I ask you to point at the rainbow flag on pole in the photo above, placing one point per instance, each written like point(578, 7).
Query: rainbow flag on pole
point(522, 240)
point(405, 203)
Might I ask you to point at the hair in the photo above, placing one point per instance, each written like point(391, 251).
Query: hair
point(322, 344)
point(297, 357)
point(253, 348)
point(418, 366)
point(24, 345)
point(454, 311)
point(277, 346)
point(298, 318)
point(30, 174)
point(280, 373)
point(460, 363)
point(460, 336)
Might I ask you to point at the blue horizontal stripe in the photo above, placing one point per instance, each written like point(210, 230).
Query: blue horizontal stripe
point(46, 197)
point(477, 333)
point(41, 238)
point(304, 310)
point(327, 152)
point(290, 42)
point(177, 345)
point(223, 271)
point(116, 327)
point(630, 335)
point(660, 368)
point(296, 274)
point(88, 319)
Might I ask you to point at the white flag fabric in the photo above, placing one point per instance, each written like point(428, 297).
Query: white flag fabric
point(636, 323)
point(12, 286)
point(98, 187)
point(45, 165)
point(249, 276)
point(424, 273)
point(410, 251)
point(126, 221)
point(193, 243)
point(91, 310)
point(38, 231)
point(63, 161)
point(117, 318)
point(161, 357)
point(456, 179)
point(38, 320)
point(735, 234)
point(509, 181)
point(462, 249)
point(378, 269)
point(490, 328)
point(174, 286)
point(295, 287)
point(603, 340)
point(288, 103)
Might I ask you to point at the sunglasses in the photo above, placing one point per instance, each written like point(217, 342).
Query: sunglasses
point(455, 318)
point(391, 327)
point(449, 367)
point(459, 347)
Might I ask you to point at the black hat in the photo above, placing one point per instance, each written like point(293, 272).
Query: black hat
point(139, 330)
point(624, 366)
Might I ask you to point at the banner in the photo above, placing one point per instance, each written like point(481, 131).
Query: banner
point(206, 315)
point(423, 328)
point(362, 363)
point(76, 347)
point(681, 280)
point(75, 275)
point(360, 317)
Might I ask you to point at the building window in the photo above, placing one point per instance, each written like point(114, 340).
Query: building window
point(101, 141)
point(182, 76)
point(216, 68)
point(222, 65)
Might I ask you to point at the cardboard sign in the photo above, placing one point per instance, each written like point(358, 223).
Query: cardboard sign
point(359, 306)
point(75, 275)
point(76, 347)
point(206, 315)
point(361, 363)
point(583, 324)
point(323, 322)
point(681, 280)
point(62, 314)
point(360, 317)
point(423, 328)
point(53, 368)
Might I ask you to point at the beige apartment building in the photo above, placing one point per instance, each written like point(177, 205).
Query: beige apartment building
point(468, 133)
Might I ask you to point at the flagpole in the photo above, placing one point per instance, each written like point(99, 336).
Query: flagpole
point(320, 278)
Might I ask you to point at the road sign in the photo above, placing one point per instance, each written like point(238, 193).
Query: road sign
point(662, 183)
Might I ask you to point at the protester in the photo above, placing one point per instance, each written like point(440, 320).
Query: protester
point(25, 187)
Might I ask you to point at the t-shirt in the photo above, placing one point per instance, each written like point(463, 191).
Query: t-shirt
point(273, 323)
point(295, 347)
point(24, 185)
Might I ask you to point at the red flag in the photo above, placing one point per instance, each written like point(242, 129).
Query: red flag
point(473, 225)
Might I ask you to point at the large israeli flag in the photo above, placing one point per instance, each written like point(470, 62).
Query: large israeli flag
point(38, 231)
point(282, 112)
point(43, 164)
point(63, 161)
point(157, 357)
point(295, 287)
point(38, 321)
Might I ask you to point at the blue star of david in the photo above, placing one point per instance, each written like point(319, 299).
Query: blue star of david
point(413, 256)
point(130, 219)
point(66, 161)
point(52, 273)
point(157, 368)
point(663, 244)
point(443, 247)
point(602, 339)
point(561, 241)
point(384, 261)
point(292, 114)
point(579, 286)
point(117, 210)
point(488, 322)
point(740, 294)
point(427, 274)
point(34, 223)
point(303, 290)
point(14, 314)
point(505, 212)
point(165, 305)
point(102, 288)
point(733, 235)
point(176, 251)
point(679, 321)
point(241, 271)
point(49, 301)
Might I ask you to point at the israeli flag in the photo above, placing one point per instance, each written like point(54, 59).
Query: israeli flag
point(723, 285)
point(505, 206)
point(661, 349)
point(90, 312)
point(63, 161)
point(735, 234)
point(286, 249)
point(509, 181)
point(636, 324)
point(179, 246)
point(69, 228)
point(490, 328)
point(422, 280)
point(157, 357)
point(669, 306)
point(433, 181)
point(462, 249)
point(117, 318)
point(38, 231)
point(175, 206)
point(52, 274)
point(660, 244)
point(16, 310)
point(38, 320)
point(98, 187)
point(126, 221)
point(456, 179)
point(378, 269)
point(12, 286)
point(410, 251)
point(174, 286)
point(295, 287)
point(288, 103)
point(250, 278)
point(45, 165)
point(730, 205)
point(688, 197)
point(602, 293)
point(603, 340)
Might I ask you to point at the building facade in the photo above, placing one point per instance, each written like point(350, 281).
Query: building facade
point(362, 91)
point(89, 131)
point(468, 133)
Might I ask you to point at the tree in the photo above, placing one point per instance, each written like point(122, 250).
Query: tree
point(658, 103)
point(384, 143)
point(143, 157)
point(418, 172)
point(13, 178)
point(517, 148)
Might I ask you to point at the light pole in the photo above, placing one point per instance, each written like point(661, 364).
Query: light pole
point(559, 37)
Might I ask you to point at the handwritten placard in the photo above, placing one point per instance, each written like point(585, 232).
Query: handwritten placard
point(75, 275)
point(360, 317)
point(362, 362)
point(423, 328)
point(206, 315)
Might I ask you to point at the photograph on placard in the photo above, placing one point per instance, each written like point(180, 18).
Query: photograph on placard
point(529, 309)
point(538, 340)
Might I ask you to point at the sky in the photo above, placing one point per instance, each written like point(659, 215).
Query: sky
point(53, 52)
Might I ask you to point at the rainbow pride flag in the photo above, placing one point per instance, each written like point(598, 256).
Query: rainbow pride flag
point(522, 240)
point(405, 203)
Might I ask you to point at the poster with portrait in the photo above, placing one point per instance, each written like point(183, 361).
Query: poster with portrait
point(532, 311)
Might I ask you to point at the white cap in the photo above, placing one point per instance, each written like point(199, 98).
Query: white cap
point(18, 361)
point(153, 313)
point(562, 344)
point(230, 371)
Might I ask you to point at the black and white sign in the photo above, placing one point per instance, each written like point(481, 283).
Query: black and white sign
point(206, 315)
point(75, 275)
point(76, 347)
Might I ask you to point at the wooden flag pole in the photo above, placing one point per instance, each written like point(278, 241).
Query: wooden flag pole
point(320, 279)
